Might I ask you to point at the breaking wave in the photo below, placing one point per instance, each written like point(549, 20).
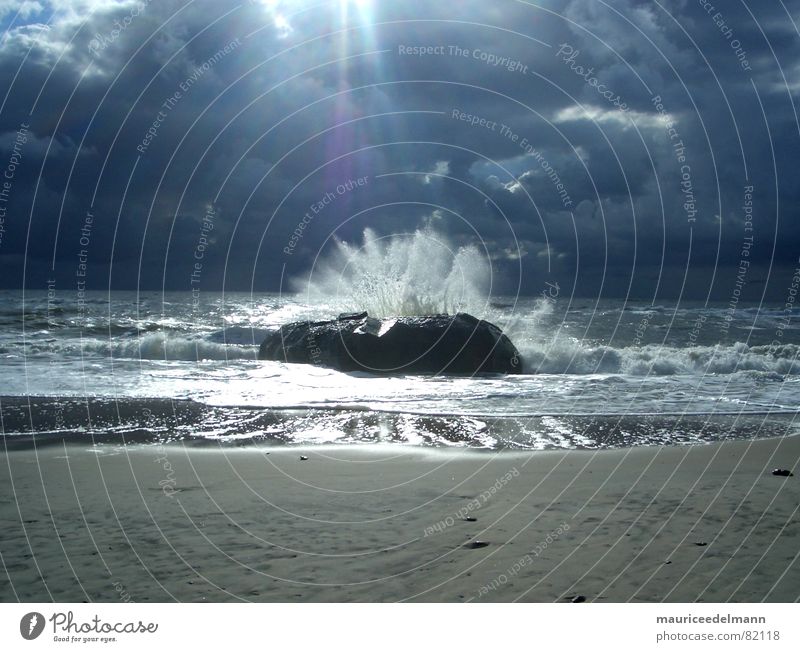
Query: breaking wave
point(401, 275)
point(563, 356)
point(573, 357)
point(153, 346)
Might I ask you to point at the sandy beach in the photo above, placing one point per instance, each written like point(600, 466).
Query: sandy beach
point(394, 523)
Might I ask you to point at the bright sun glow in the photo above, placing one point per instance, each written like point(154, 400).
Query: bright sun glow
point(282, 24)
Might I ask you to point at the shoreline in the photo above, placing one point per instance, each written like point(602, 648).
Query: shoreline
point(384, 523)
point(35, 421)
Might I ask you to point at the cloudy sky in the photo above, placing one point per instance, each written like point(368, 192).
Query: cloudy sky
point(645, 149)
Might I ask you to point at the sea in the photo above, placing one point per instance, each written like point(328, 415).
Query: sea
point(140, 368)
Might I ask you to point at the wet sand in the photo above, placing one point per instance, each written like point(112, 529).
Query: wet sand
point(387, 523)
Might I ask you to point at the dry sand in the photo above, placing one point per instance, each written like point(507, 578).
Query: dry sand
point(152, 523)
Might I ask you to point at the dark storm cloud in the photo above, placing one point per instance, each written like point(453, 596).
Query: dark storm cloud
point(225, 134)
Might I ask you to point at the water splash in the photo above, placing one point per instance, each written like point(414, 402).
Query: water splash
point(401, 275)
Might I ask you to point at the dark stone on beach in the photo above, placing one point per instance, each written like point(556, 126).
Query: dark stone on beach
point(472, 545)
point(578, 598)
point(786, 473)
point(459, 345)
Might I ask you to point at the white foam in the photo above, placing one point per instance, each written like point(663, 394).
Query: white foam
point(157, 346)
point(569, 356)
point(415, 274)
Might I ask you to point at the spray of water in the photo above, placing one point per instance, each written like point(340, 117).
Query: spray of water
point(401, 275)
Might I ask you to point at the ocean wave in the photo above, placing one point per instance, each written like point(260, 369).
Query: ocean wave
point(243, 335)
point(574, 357)
point(153, 346)
point(562, 356)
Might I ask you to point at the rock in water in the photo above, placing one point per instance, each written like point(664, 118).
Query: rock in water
point(458, 345)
